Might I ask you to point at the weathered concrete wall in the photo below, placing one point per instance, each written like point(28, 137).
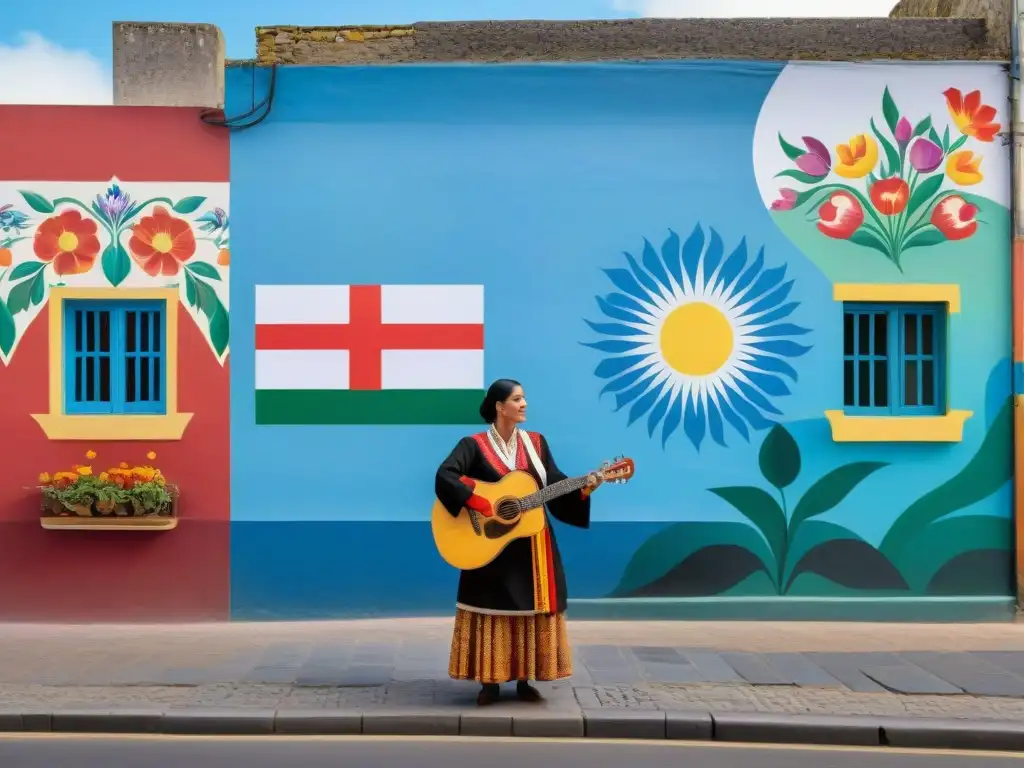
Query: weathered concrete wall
point(996, 13)
point(771, 39)
point(168, 65)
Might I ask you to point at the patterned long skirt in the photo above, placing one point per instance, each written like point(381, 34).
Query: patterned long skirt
point(500, 649)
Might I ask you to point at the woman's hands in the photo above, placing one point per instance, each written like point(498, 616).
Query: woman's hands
point(477, 503)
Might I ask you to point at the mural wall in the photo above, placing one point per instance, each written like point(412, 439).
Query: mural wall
point(114, 325)
point(783, 290)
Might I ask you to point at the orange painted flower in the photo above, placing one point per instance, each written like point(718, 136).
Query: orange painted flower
point(44, 478)
point(90, 454)
point(890, 196)
point(856, 159)
point(224, 257)
point(161, 242)
point(69, 242)
point(955, 218)
point(151, 455)
point(971, 116)
point(964, 168)
point(6, 257)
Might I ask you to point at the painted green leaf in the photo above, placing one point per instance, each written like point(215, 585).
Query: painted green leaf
point(188, 204)
point(203, 269)
point(25, 269)
point(22, 294)
point(945, 539)
point(929, 187)
point(981, 572)
point(190, 289)
point(7, 329)
point(209, 303)
point(851, 563)
point(37, 202)
point(892, 156)
point(779, 457)
point(793, 173)
point(934, 136)
point(38, 290)
point(924, 238)
point(868, 239)
point(830, 490)
point(791, 152)
point(890, 111)
point(116, 263)
point(987, 471)
point(945, 140)
point(709, 571)
point(675, 543)
point(762, 510)
point(923, 127)
point(808, 536)
point(956, 145)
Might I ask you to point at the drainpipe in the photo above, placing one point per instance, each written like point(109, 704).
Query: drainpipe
point(1017, 297)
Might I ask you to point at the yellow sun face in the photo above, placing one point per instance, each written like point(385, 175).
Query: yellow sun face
point(696, 339)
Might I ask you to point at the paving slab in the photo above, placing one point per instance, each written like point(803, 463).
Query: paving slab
point(800, 670)
point(755, 669)
point(973, 674)
point(907, 678)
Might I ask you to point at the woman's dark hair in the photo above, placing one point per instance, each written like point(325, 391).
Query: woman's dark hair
point(498, 392)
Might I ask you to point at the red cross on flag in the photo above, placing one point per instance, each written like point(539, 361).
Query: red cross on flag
point(369, 354)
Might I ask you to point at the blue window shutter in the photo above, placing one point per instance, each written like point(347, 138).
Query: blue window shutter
point(921, 372)
point(866, 360)
point(115, 357)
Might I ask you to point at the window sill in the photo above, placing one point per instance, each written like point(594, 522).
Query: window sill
point(66, 523)
point(98, 428)
point(898, 429)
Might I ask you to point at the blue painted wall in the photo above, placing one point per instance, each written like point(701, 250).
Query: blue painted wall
point(533, 180)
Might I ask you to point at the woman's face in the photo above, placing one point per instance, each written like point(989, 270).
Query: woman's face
point(514, 408)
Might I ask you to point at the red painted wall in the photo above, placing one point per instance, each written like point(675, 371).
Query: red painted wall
point(124, 576)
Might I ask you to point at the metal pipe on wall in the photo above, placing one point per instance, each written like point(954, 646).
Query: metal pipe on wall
point(1017, 296)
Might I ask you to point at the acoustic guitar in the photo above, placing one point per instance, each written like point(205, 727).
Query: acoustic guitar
point(471, 540)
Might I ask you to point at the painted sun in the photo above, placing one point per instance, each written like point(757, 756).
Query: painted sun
point(696, 338)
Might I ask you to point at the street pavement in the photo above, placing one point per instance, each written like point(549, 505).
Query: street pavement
point(366, 752)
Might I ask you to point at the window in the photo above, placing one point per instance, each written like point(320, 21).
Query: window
point(115, 361)
point(893, 359)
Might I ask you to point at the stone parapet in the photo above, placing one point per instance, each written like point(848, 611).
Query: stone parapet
point(168, 65)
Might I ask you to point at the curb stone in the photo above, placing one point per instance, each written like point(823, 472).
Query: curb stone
point(608, 723)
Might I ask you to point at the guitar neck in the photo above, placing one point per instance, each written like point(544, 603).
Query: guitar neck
point(551, 492)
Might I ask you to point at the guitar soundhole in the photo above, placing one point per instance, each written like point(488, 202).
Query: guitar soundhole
point(507, 512)
point(508, 509)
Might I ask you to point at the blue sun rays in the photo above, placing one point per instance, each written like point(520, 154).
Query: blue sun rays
point(755, 302)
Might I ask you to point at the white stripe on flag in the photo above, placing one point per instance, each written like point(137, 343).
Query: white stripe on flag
point(302, 369)
point(312, 304)
point(433, 304)
point(432, 369)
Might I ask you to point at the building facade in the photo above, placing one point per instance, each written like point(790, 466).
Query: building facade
point(783, 289)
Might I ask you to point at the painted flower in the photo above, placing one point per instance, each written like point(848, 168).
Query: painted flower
point(6, 257)
point(44, 478)
point(224, 257)
point(840, 216)
point(971, 116)
point(114, 204)
point(786, 202)
point(964, 168)
point(69, 242)
point(955, 218)
point(698, 338)
point(858, 158)
point(904, 132)
point(925, 155)
point(12, 219)
point(214, 220)
point(90, 454)
point(817, 161)
point(151, 455)
point(890, 196)
point(162, 242)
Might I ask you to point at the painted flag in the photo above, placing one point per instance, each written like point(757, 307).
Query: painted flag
point(369, 354)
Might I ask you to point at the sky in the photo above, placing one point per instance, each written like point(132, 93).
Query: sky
point(59, 52)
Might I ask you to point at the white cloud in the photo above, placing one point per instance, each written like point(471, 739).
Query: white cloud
point(755, 8)
point(36, 71)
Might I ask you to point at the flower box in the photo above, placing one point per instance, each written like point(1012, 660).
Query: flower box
point(121, 498)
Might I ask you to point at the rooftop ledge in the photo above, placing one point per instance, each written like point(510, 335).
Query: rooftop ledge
point(831, 39)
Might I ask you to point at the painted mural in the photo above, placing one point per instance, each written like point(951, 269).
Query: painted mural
point(670, 278)
point(114, 378)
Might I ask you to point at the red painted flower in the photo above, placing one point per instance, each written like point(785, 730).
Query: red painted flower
point(69, 242)
point(971, 116)
point(161, 242)
point(840, 216)
point(954, 217)
point(890, 196)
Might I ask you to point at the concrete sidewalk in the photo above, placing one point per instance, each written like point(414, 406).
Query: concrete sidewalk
point(654, 679)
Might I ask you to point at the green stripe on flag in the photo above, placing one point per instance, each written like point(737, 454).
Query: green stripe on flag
point(386, 406)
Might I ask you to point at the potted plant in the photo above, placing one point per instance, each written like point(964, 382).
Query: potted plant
point(122, 497)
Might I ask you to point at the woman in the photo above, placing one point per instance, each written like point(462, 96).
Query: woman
point(509, 620)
